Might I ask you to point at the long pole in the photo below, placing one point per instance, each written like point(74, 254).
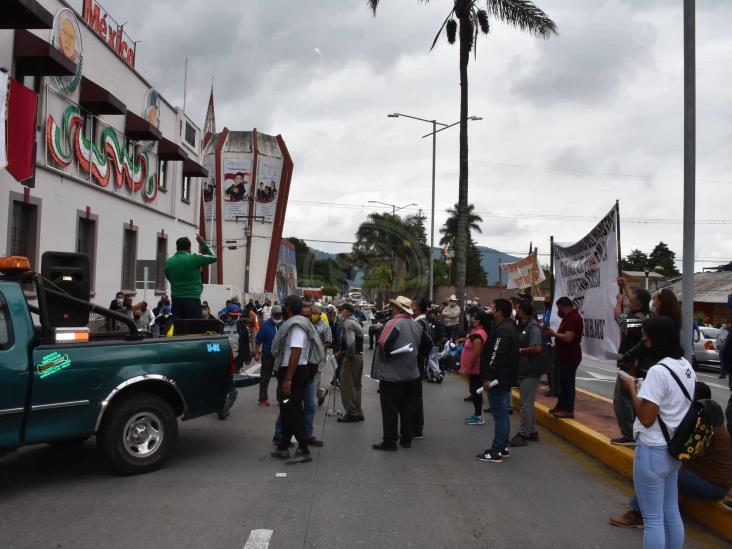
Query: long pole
point(185, 84)
point(432, 221)
point(687, 284)
point(551, 267)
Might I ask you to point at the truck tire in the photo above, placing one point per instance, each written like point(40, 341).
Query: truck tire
point(138, 433)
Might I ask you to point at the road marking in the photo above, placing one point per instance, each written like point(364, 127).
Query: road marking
point(258, 539)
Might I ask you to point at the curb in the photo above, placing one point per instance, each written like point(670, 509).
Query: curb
point(713, 515)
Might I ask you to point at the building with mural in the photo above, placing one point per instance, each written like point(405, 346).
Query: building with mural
point(97, 160)
point(244, 204)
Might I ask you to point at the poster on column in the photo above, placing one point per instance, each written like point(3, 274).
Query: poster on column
point(236, 184)
point(208, 189)
point(586, 272)
point(269, 171)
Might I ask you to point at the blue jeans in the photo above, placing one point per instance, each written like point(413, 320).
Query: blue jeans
point(655, 478)
point(309, 404)
point(692, 486)
point(497, 398)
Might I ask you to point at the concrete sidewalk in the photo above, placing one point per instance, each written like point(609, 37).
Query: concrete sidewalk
point(591, 429)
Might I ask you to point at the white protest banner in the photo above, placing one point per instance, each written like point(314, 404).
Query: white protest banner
point(523, 273)
point(586, 273)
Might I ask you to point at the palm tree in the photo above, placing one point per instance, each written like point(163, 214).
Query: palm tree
point(449, 229)
point(466, 21)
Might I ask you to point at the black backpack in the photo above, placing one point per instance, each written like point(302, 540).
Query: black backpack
point(694, 434)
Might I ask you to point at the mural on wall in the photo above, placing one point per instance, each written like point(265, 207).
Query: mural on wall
point(66, 38)
point(110, 157)
point(152, 107)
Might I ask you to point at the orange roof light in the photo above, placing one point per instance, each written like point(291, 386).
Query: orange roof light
point(14, 264)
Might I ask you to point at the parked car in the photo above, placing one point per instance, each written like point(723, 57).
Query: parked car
point(705, 347)
point(62, 385)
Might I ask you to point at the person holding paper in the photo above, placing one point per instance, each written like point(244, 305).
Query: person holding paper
point(499, 362)
point(395, 367)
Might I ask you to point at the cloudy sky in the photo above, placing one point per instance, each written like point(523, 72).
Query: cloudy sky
point(569, 125)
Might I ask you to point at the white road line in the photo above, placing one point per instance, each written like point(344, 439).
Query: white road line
point(258, 539)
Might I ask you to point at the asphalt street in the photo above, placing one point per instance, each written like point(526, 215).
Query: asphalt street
point(599, 377)
point(221, 490)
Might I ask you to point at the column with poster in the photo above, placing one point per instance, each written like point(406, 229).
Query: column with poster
point(269, 172)
point(586, 272)
point(237, 175)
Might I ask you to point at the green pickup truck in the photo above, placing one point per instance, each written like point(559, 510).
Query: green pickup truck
point(63, 385)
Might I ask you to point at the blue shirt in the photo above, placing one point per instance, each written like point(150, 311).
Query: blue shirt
point(266, 334)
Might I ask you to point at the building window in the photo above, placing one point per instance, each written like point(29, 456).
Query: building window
point(163, 175)
point(185, 195)
point(6, 333)
point(86, 243)
point(160, 259)
point(23, 231)
point(190, 136)
point(129, 258)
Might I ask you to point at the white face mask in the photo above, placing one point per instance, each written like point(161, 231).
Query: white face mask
point(120, 301)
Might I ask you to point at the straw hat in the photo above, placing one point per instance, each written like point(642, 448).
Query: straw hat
point(453, 297)
point(404, 303)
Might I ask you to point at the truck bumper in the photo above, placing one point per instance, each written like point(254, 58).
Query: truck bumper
point(230, 399)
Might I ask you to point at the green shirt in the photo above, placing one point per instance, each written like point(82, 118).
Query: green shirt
point(183, 271)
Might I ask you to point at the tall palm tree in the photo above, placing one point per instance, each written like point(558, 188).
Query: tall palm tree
point(465, 21)
point(449, 229)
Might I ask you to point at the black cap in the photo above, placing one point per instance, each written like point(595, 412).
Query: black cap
point(347, 306)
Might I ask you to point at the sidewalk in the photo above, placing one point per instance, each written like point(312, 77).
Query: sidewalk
point(591, 430)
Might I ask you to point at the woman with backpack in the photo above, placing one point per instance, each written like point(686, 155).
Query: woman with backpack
point(660, 406)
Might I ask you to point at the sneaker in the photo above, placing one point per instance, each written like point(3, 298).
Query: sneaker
point(489, 457)
point(384, 446)
point(504, 453)
point(280, 454)
point(264, 403)
point(518, 440)
point(629, 519)
point(475, 420)
point(301, 456)
point(312, 441)
point(622, 440)
point(534, 437)
point(405, 443)
point(418, 436)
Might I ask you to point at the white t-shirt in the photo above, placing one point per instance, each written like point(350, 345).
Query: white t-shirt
point(661, 389)
point(266, 313)
point(297, 338)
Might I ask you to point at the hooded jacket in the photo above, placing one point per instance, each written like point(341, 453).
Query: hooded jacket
point(500, 357)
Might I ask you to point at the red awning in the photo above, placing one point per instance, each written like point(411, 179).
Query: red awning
point(25, 14)
point(167, 150)
point(22, 108)
point(191, 168)
point(97, 100)
point(35, 56)
point(136, 127)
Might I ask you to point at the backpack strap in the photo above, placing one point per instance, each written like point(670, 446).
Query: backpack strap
point(661, 424)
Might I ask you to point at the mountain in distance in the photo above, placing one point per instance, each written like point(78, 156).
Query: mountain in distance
point(489, 258)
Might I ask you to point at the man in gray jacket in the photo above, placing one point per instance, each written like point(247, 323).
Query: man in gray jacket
point(395, 366)
point(351, 357)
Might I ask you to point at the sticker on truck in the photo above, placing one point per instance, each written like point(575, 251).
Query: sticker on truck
point(52, 363)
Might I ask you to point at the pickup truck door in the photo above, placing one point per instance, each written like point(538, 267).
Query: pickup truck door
point(16, 334)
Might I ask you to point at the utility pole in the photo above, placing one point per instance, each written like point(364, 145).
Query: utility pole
point(687, 285)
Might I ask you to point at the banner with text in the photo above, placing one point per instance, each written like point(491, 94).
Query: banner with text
point(523, 273)
point(586, 272)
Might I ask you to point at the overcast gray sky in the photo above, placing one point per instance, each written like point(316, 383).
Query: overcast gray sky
point(569, 125)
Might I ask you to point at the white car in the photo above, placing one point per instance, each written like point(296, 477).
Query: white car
point(705, 347)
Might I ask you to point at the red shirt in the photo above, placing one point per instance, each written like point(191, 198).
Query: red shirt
point(570, 352)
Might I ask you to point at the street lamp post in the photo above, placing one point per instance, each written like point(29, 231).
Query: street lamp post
point(433, 133)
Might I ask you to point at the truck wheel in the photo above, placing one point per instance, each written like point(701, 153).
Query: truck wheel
point(138, 434)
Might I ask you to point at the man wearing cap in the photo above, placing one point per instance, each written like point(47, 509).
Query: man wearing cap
point(395, 366)
point(451, 317)
point(183, 271)
point(351, 357)
point(265, 336)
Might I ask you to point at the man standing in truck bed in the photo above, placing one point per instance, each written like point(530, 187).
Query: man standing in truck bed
point(183, 271)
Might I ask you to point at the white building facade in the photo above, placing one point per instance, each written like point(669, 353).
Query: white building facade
point(117, 167)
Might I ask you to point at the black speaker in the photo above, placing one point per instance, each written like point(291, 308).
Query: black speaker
point(69, 274)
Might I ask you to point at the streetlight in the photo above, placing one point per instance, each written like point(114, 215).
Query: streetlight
point(394, 208)
point(433, 133)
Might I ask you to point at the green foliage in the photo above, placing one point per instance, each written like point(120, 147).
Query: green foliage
point(635, 261)
point(312, 272)
point(475, 274)
point(330, 291)
point(661, 260)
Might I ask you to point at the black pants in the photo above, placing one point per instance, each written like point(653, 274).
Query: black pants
point(291, 409)
point(265, 375)
point(567, 371)
point(475, 383)
point(184, 307)
point(398, 402)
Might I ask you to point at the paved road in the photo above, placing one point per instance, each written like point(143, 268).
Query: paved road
point(599, 377)
point(222, 485)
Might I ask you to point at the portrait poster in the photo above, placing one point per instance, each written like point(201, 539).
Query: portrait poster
point(236, 187)
point(66, 38)
point(151, 112)
point(269, 172)
point(208, 188)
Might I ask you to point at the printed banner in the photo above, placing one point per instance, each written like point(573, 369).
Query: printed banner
point(286, 270)
point(269, 172)
point(523, 273)
point(3, 118)
point(237, 180)
point(208, 188)
point(587, 272)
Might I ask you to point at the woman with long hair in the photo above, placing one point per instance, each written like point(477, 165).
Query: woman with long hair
point(470, 361)
point(660, 400)
point(665, 303)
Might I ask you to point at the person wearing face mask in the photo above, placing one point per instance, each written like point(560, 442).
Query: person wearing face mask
point(630, 335)
point(163, 321)
point(264, 339)
point(146, 315)
point(117, 305)
point(320, 322)
point(568, 343)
